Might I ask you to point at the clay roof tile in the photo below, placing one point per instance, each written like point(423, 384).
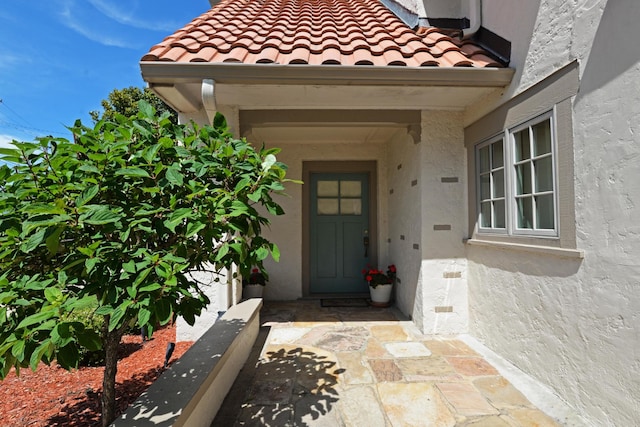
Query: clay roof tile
point(336, 32)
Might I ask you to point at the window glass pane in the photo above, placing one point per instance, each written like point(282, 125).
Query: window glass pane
point(523, 178)
point(485, 187)
point(544, 211)
point(525, 212)
point(497, 155)
point(544, 174)
point(350, 207)
point(484, 159)
point(350, 188)
point(522, 145)
point(542, 137)
point(499, 214)
point(485, 214)
point(328, 207)
point(498, 183)
point(327, 188)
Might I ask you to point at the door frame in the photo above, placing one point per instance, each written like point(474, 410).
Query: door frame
point(368, 167)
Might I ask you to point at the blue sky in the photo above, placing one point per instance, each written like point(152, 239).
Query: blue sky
point(60, 58)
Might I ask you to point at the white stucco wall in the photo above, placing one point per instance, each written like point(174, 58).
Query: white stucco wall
point(443, 284)
point(574, 324)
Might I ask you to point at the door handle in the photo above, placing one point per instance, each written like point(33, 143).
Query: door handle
point(365, 240)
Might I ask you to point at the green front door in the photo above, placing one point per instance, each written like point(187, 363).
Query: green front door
point(339, 232)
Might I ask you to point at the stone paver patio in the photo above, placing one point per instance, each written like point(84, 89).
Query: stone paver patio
point(315, 366)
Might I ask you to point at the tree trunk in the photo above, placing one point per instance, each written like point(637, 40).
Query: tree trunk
point(111, 342)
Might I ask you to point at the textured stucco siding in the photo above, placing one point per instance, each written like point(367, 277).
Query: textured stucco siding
point(574, 323)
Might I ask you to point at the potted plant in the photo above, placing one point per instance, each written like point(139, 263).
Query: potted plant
point(253, 286)
point(380, 284)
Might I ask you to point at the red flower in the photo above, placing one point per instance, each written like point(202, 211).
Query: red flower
point(392, 268)
point(255, 270)
point(369, 278)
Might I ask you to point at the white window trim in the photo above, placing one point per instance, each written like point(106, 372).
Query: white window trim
point(508, 145)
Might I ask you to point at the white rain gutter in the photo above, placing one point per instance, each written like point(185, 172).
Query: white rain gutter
point(475, 16)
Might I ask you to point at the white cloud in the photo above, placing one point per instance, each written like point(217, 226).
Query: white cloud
point(70, 21)
point(113, 11)
point(5, 140)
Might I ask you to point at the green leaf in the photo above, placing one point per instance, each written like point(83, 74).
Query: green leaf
point(100, 215)
point(90, 264)
point(68, 356)
point(53, 295)
point(269, 161)
point(174, 176)
point(86, 196)
point(132, 172)
point(90, 340)
point(262, 253)
point(35, 318)
point(18, 350)
point(275, 252)
point(53, 240)
point(143, 316)
point(150, 288)
point(177, 217)
point(33, 241)
point(194, 227)
point(44, 350)
point(163, 311)
point(118, 314)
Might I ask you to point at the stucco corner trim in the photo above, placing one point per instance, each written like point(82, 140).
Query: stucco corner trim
point(543, 250)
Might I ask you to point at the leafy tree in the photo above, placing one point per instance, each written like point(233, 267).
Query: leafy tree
point(125, 101)
point(117, 219)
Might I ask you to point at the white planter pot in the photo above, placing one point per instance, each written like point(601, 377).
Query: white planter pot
point(381, 295)
point(252, 291)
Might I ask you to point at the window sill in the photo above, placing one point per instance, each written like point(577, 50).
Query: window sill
point(543, 250)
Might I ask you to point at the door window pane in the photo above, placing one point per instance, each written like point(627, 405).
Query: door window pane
point(350, 188)
point(328, 207)
point(350, 207)
point(328, 189)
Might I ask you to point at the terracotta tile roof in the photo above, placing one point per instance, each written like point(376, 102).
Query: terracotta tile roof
point(315, 32)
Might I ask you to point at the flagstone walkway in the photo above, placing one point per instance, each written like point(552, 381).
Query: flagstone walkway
point(315, 366)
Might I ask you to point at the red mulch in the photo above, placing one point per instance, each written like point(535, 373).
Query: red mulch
point(52, 396)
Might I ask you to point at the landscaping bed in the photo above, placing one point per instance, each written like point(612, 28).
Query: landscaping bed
point(52, 396)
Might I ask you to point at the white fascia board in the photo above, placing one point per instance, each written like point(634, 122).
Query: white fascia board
point(175, 72)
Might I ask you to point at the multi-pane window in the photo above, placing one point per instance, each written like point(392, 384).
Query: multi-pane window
point(491, 185)
point(339, 197)
point(516, 180)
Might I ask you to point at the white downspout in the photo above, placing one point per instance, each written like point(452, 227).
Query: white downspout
point(208, 94)
point(475, 16)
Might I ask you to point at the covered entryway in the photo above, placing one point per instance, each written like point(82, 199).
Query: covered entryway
point(338, 236)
